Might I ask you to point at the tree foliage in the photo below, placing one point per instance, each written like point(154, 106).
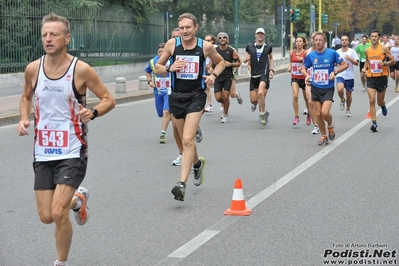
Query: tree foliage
point(214, 15)
point(353, 15)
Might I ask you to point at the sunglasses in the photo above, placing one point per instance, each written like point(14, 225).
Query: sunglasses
point(224, 37)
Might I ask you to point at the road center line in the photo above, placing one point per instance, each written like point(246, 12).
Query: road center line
point(206, 235)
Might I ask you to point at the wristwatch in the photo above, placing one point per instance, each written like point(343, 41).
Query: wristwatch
point(167, 68)
point(335, 73)
point(95, 113)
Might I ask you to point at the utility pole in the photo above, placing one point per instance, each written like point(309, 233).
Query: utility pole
point(312, 24)
point(167, 24)
point(320, 15)
point(283, 32)
point(236, 29)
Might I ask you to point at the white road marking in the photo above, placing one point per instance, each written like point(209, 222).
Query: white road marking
point(206, 235)
point(193, 244)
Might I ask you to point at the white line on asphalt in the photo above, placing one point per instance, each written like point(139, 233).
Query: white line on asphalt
point(206, 235)
point(193, 244)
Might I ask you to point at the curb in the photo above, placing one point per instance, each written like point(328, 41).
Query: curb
point(15, 118)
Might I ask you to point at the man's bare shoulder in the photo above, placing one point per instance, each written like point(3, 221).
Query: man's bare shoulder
point(82, 65)
point(386, 49)
point(83, 68)
point(33, 66)
point(171, 43)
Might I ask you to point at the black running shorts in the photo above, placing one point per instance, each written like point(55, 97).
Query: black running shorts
point(70, 172)
point(361, 66)
point(301, 83)
point(254, 82)
point(180, 109)
point(394, 67)
point(222, 83)
point(378, 83)
point(322, 95)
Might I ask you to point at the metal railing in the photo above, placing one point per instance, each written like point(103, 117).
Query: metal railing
point(99, 36)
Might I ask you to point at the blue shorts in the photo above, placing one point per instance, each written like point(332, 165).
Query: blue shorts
point(161, 102)
point(348, 83)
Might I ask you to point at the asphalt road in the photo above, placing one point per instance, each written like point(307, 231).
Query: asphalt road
point(311, 205)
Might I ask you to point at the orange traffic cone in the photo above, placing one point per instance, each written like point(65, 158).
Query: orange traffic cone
point(237, 206)
point(368, 114)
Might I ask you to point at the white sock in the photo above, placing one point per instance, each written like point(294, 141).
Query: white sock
point(60, 263)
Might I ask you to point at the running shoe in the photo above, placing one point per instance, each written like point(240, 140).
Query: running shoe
point(82, 215)
point(305, 111)
point(348, 113)
point(331, 133)
point(162, 139)
point(253, 107)
point(209, 109)
point(323, 141)
point(179, 190)
point(199, 135)
point(177, 161)
point(262, 119)
point(396, 89)
point(296, 120)
point(239, 99)
point(267, 117)
point(342, 105)
point(316, 130)
point(384, 110)
point(57, 263)
point(224, 119)
point(198, 173)
point(308, 121)
point(374, 127)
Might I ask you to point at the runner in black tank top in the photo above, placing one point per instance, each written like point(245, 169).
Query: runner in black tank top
point(224, 82)
point(260, 59)
point(188, 96)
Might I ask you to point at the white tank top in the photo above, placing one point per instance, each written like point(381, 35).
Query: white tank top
point(395, 52)
point(59, 132)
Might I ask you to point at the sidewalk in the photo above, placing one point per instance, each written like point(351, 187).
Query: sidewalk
point(9, 105)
